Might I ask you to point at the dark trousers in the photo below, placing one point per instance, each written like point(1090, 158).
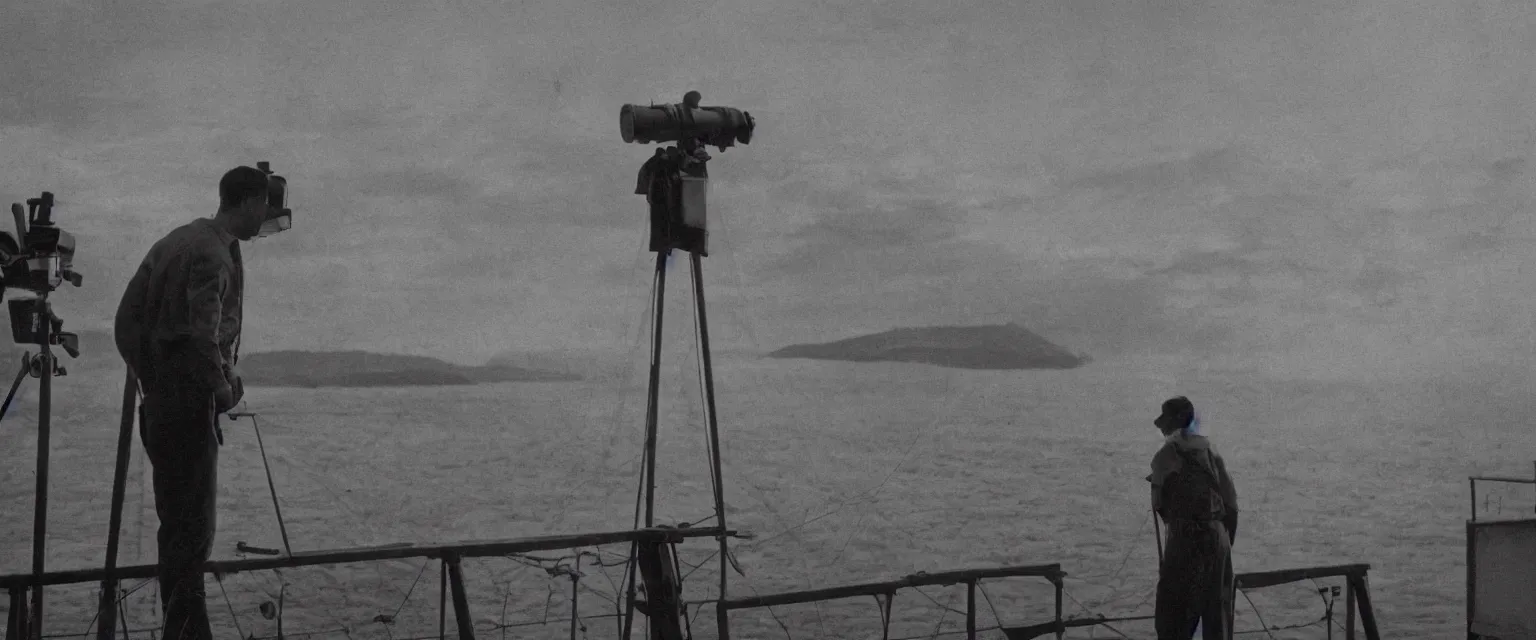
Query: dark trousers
point(1195, 584)
point(178, 434)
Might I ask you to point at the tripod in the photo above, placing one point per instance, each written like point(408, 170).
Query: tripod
point(44, 367)
point(674, 182)
point(110, 601)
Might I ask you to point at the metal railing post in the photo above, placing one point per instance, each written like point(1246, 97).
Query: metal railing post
point(1349, 610)
point(970, 610)
point(461, 599)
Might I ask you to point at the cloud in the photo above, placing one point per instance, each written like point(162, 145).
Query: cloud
point(848, 222)
point(1207, 175)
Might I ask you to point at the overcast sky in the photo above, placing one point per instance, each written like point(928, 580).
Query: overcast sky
point(1314, 186)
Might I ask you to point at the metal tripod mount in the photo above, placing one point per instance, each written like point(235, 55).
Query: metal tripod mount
point(39, 260)
point(675, 183)
point(27, 622)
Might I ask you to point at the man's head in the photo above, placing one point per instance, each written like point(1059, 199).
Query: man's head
point(243, 201)
point(1177, 412)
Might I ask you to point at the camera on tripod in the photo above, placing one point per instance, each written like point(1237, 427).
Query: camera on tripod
point(674, 181)
point(40, 263)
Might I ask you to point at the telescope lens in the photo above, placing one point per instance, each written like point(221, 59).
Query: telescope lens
point(627, 123)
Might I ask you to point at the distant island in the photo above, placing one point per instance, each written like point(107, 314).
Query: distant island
point(366, 369)
point(1007, 346)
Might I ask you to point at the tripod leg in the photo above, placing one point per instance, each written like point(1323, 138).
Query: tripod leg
point(40, 513)
point(26, 365)
point(722, 626)
point(651, 413)
point(109, 587)
point(653, 410)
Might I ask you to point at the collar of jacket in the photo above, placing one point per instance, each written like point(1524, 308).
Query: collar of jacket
point(223, 234)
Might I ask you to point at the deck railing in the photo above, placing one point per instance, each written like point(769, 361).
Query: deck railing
point(1357, 596)
point(18, 585)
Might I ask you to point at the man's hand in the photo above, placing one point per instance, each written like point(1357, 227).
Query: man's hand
point(237, 388)
point(235, 383)
point(223, 398)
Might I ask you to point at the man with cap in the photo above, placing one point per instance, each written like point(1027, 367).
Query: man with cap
point(177, 328)
point(1195, 498)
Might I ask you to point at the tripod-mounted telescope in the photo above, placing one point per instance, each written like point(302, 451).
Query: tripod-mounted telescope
point(674, 181)
point(675, 184)
point(39, 260)
point(41, 263)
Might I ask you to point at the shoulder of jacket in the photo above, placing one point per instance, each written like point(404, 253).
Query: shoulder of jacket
point(196, 240)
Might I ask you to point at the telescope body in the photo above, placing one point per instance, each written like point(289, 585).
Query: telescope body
point(673, 122)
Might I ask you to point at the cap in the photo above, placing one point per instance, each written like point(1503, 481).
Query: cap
point(1178, 406)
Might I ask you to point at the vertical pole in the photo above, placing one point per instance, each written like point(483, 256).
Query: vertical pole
point(624, 611)
point(40, 513)
point(282, 600)
point(970, 609)
point(1349, 610)
point(1473, 483)
point(722, 620)
point(1471, 576)
point(109, 586)
point(460, 598)
point(575, 577)
point(1061, 630)
point(627, 624)
point(1367, 614)
point(885, 627)
point(442, 599)
point(1328, 619)
point(653, 410)
point(16, 626)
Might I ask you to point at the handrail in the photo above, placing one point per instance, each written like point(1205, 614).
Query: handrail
point(1472, 484)
point(467, 549)
point(1262, 579)
point(1051, 572)
point(1357, 597)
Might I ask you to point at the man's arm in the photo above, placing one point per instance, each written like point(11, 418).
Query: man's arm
point(1228, 495)
point(127, 325)
point(1164, 464)
point(207, 283)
